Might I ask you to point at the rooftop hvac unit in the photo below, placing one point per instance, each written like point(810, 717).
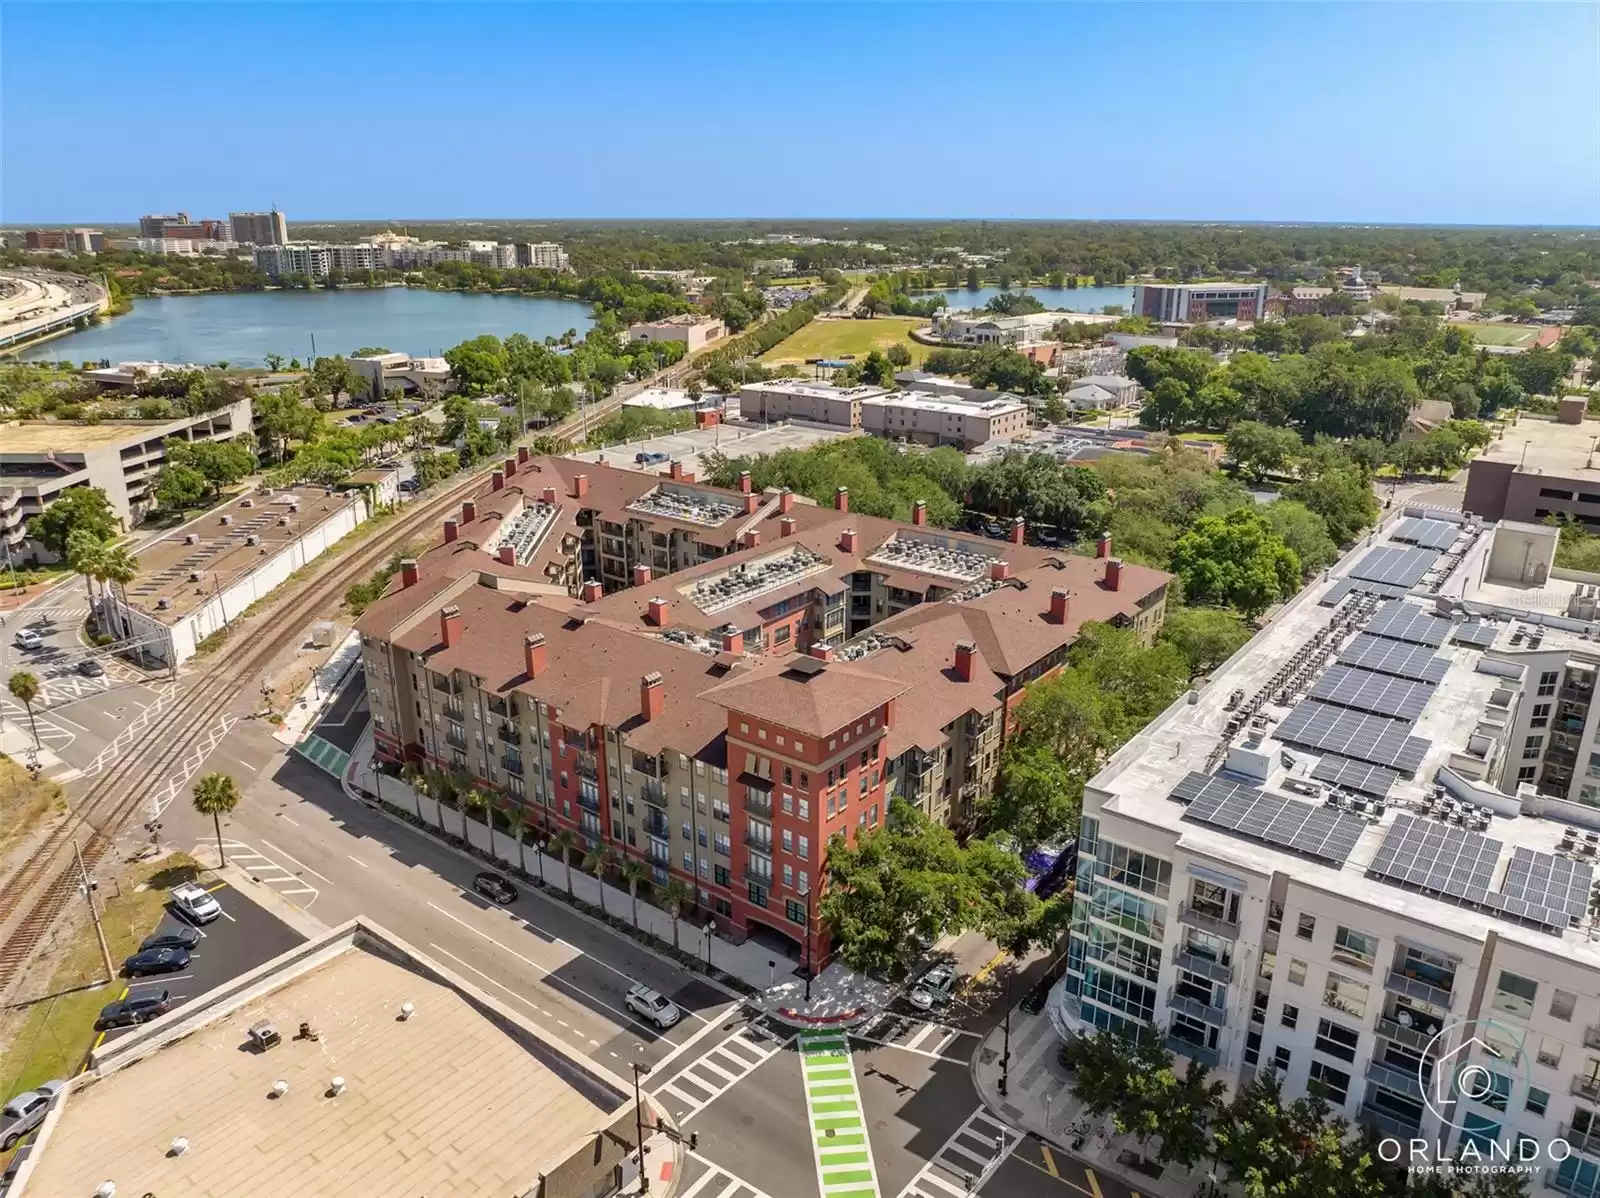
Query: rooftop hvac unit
point(226, 519)
point(191, 538)
point(247, 502)
point(283, 521)
point(163, 604)
point(264, 1035)
point(252, 539)
point(196, 575)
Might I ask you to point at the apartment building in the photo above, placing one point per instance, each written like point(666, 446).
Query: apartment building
point(722, 720)
point(1196, 303)
point(318, 260)
point(42, 459)
point(66, 241)
point(945, 420)
point(260, 228)
point(1361, 855)
point(542, 255)
point(795, 399)
point(1539, 468)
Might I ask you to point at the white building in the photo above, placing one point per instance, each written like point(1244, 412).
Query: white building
point(945, 419)
point(978, 328)
point(1363, 853)
point(696, 332)
point(662, 399)
point(182, 247)
point(388, 372)
point(542, 255)
point(1095, 391)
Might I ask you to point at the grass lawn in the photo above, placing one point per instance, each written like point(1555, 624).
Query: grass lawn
point(24, 802)
point(836, 338)
point(1502, 334)
point(50, 1037)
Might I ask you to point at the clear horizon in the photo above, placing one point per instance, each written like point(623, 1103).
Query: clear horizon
point(1356, 115)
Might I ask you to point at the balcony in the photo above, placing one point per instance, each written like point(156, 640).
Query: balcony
point(1212, 971)
point(444, 685)
point(659, 857)
point(1591, 1037)
point(647, 765)
point(508, 734)
point(1417, 1038)
point(758, 802)
point(456, 740)
point(1401, 1081)
point(512, 763)
point(589, 802)
point(759, 844)
point(656, 825)
point(1197, 1008)
point(453, 711)
point(1179, 1046)
point(1586, 1087)
point(588, 765)
point(654, 793)
point(1413, 987)
point(1386, 1123)
point(1206, 921)
point(756, 876)
point(1586, 1141)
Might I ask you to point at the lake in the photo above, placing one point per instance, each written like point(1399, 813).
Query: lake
point(1083, 299)
point(242, 328)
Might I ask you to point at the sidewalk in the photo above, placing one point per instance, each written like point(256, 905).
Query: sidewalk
point(1039, 1101)
point(840, 998)
point(326, 682)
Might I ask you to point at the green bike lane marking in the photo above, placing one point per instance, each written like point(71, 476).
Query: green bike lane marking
point(837, 1118)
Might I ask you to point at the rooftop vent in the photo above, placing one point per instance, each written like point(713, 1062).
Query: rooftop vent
point(226, 519)
point(264, 1035)
point(407, 1010)
point(163, 603)
point(106, 1189)
point(336, 1087)
point(686, 504)
point(253, 539)
point(247, 502)
point(280, 1088)
point(948, 559)
point(196, 575)
point(191, 538)
point(745, 582)
point(179, 1146)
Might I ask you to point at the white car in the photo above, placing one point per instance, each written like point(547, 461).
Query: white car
point(194, 902)
point(653, 1006)
point(27, 638)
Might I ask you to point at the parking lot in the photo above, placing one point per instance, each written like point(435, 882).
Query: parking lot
point(246, 935)
point(732, 439)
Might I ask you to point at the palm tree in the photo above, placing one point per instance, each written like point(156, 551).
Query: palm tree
point(596, 861)
point(24, 688)
point(563, 842)
point(634, 874)
point(675, 894)
point(117, 567)
point(473, 800)
point(411, 775)
point(518, 823)
point(216, 795)
point(83, 556)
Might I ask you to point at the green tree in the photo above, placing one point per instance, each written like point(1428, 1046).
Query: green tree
point(1039, 797)
point(1303, 531)
point(1055, 410)
point(635, 874)
point(562, 843)
point(1206, 636)
point(24, 688)
point(673, 896)
point(597, 861)
point(336, 377)
point(517, 824)
point(1131, 1079)
point(1259, 449)
point(84, 552)
point(1343, 499)
point(216, 794)
point(179, 487)
point(1271, 1148)
point(899, 356)
point(1235, 560)
point(479, 365)
point(78, 509)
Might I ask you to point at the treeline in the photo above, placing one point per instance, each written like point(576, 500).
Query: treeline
point(600, 361)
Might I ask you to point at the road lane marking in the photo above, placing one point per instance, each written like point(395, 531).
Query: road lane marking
point(359, 862)
point(296, 860)
point(684, 1047)
point(716, 1173)
point(956, 1160)
point(833, 1102)
point(1066, 1181)
point(1094, 1182)
point(287, 820)
point(993, 964)
point(298, 890)
point(1049, 1160)
point(737, 1055)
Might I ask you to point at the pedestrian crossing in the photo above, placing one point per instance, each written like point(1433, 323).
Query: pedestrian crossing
point(266, 870)
point(919, 1036)
point(717, 1071)
point(702, 1179)
point(836, 1117)
point(193, 758)
point(977, 1149)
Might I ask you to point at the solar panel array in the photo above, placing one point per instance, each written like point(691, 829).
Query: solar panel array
point(1430, 534)
point(1397, 565)
point(1381, 694)
point(1360, 586)
point(1320, 833)
point(1479, 636)
point(1356, 775)
point(1407, 622)
point(1394, 657)
point(1371, 738)
point(1558, 884)
point(1540, 889)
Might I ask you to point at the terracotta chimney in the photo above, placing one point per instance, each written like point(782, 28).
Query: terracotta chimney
point(549, 496)
point(408, 572)
point(451, 531)
point(822, 651)
point(848, 540)
point(744, 482)
point(966, 657)
point(1060, 605)
point(508, 554)
point(641, 575)
point(732, 639)
point(999, 571)
point(497, 481)
point(450, 626)
point(841, 499)
point(1102, 547)
point(751, 503)
point(580, 486)
point(469, 511)
point(1114, 574)
point(1019, 530)
point(592, 590)
point(652, 696)
point(919, 512)
point(752, 538)
point(524, 455)
point(510, 467)
point(786, 526)
point(675, 470)
point(658, 611)
point(535, 654)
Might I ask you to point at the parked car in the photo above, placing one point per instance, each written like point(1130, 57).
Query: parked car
point(27, 638)
point(194, 903)
point(410, 484)
point(652, 1005)
point(25, 1112)
point(134, 1010)
point(649, 459)
point(183, 937)
point(934, 988)
point(156, 960)
point(90, 667)
point(494, 888)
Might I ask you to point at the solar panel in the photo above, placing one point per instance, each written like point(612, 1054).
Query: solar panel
point(1394, 657)
point(1480, 636)
point(1396, 565)
point(1360, 586)
point(1334, 594)
point(1558, 884)
point(1356, 775)
point(1430, 534)
point(1247, 811)
point(1364, 690)
point(1372, 738)
point(1407, 622)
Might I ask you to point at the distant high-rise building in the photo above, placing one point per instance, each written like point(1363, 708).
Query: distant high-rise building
point(542, 255)
point(260, 228)
point(155, 224)
point(71, 241)
point(198, 230)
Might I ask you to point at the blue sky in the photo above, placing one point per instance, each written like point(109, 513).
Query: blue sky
point(1472, 113)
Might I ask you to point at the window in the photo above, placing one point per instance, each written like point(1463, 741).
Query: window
point(1514, 994)
point(1550, 1053)
point(788, 876)
point(1343, 994)
point(720, 843)
point(1290, 1016)
point(1280, 1059)
point(1561, 1004)
point(1547, 682)
point(1541, 716)
point(1531, 747)
point(688, 863)
point(1337, 1040)
point(795, 911)
point(1537, 1101)
point(830, 806)
point(1527, 773)
point(758, 894)
point(805, 808)
point(788, 803)
point(1258, 1007)
point(1354, 948)
point(788, 771)
point(1274, 916)
point(1297, 972)
point(1269, 962)
point(804, 852)
point(719, 874)
point(1252, 1049)
point(1499, 1092)
point(1334, 1083)
point(1306, 927)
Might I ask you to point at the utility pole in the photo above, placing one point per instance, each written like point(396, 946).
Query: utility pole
point(94, 912)
point(639, 1067)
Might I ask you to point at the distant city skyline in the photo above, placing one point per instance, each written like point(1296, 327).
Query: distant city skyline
point(1290, 114)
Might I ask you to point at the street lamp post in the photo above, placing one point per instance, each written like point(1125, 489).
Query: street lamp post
point(639, 1069)
point(805, 893)
point(377, 776)
point(1005, 1052)
point(711, 934)
point(538, 851)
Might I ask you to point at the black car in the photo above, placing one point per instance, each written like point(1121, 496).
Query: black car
point(133, 1010)
point(157, 960)
point(494, 888)
point(183, 937)
point(90, 668)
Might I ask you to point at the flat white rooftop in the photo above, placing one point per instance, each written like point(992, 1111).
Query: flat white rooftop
point(955, 405)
